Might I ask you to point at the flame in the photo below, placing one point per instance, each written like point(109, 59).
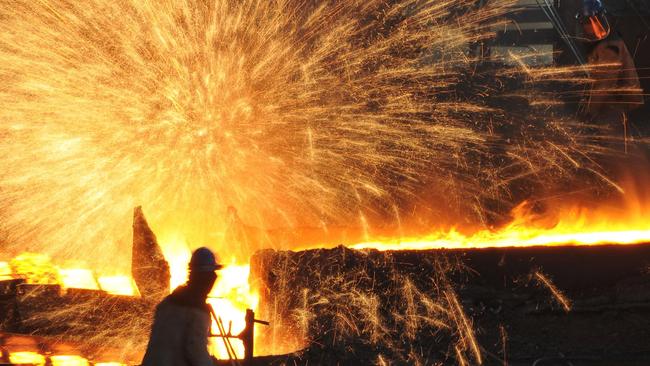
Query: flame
point(38, 269)
point(512, 237)
point(623, 223)
point(78, 278)
point(65, 360)
point(36, 359)
point(561, 223)
point(297, 144)
point(118, 285)
point(230, 298)
point(303, 115)
point(177, 254)
point(5, 271)
point(31, 358)
point(35, 268)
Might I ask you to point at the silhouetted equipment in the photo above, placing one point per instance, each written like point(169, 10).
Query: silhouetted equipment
point(148, 265)
point(608, 287)
point(247, 336)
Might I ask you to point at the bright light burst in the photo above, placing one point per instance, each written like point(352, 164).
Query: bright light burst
point(292, 112)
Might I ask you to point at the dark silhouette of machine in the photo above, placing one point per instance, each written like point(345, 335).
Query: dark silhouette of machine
point(247, 336)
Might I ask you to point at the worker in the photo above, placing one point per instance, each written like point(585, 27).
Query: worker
point(615, 88)
point(179, 335)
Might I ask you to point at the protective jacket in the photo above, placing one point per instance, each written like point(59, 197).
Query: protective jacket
point(615, 87)
point(179, 335)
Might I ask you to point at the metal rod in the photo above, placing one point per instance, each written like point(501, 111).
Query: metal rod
point(229, 349)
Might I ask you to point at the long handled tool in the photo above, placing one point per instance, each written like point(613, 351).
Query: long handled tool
point(247, 336)
point(232, 355)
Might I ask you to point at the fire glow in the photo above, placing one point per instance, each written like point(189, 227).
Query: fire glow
point(299, 119)
point(230, 297)
point(233, 294)
point(573, 226)
point(39, 269)
point(36, 359)
point(576, 226)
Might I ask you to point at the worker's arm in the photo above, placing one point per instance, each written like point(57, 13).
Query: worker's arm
point(196, 342)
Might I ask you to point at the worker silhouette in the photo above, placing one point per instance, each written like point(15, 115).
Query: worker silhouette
point(615, 88)
point(179, 335)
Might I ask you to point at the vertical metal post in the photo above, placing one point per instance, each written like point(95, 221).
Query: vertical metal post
point(248, 337)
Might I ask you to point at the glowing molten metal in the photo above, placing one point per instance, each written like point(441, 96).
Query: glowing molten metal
point(232, 294)
point(573, 226)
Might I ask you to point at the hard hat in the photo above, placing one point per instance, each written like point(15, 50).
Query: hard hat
point(591, 8)
point(593, 22)
point(203, 260)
